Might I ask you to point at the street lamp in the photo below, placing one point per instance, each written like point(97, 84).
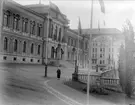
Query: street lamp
point(75, 74)
point(46, 60)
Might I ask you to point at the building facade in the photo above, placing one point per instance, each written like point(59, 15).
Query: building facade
point(22, 32)
point(29, 32)
point(77, 48)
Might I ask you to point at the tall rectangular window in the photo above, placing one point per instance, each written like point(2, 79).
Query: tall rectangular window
point(16, 22)
point(39, 29)
point(25, 25)
point(32, 27)
point(6, 19)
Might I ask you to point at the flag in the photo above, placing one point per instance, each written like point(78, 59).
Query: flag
point(79, 27)
point(101, 2)
point(99, 25)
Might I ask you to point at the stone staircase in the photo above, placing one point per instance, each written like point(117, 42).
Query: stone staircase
point(66, 64)
point(61, 63)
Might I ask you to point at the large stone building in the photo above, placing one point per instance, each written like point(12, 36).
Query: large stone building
point(22, 32)
point(24, 37)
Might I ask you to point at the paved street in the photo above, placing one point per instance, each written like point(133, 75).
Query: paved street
point(25, 85)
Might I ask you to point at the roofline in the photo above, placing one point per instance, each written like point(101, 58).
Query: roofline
point(26, 8)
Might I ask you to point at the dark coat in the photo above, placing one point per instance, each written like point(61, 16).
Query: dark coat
point(58, 73)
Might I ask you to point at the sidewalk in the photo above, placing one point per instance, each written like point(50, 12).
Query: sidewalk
point(112, 99)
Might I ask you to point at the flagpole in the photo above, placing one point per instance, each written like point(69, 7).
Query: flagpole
point(39, 1)
point(1, 15)
point(46, 54)
point(90, 41)
point(78, 47)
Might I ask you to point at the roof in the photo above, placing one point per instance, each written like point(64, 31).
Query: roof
point(73, 31)
point(101, 31)
point(43, 9)
point(23, 7)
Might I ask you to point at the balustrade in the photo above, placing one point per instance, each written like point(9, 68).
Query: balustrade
point(103, 81)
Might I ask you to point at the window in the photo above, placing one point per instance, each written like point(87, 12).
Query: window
point(93, 49)
point(100, 55)
point(100, 61)
point(25, 25)
point(4, 58)
point(14, 59)
point(38, 49)
point(6, 19)
point(5, 43)
point(16, 22)
point(32, 48)
point(32, 27)
point(15, 45)
point(31, 60)
point(39, 26)
point(55, 35)
point(93, 61)
point(101, 49)
point(23, 59)
point(24, 47)
point(59, 39)
point(51, 34)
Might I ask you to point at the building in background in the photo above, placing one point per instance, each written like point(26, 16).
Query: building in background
point(103, 50)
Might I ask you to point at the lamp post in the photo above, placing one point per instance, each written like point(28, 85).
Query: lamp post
point(75, 74)
point(46, 60)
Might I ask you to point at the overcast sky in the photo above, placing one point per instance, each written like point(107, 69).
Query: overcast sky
point(117, 11)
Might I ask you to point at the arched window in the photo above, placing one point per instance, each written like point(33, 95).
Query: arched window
point(24, 46)
point(51, 31)
point(5, 43)
point(38, 49)
point(32, 48)
point(15, 45)
point(55, 35)
point(6, 18)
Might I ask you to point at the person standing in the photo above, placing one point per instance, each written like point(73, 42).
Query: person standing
point(58, 73)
